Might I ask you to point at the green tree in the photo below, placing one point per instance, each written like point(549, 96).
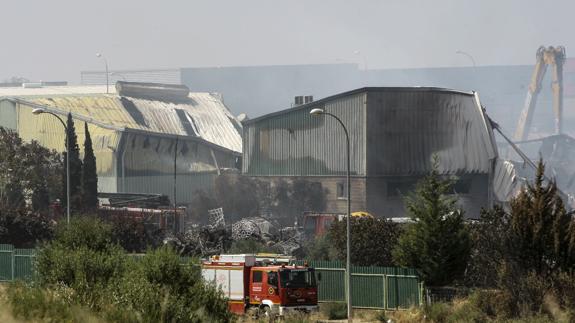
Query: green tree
point(75, 168)
point(28, 173)
point(24, 230)
point(541, 235)
point(538, 247)
point(89, 174)
point(291, 199)
point(319, 248)
point(372, 240)
point(437, 243)
point(488, 248)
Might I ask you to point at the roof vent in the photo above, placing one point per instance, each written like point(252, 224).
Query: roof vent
point(301, 100)
point(153, 91)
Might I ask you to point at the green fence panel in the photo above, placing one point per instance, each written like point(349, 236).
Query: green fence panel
point(330, 288)
point(402, 292)
point(372, 287)
point(24, 263)
point(367, 290)
point(6, 262)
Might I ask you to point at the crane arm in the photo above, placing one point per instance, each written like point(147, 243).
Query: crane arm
point(526, 116)
point(557, 58)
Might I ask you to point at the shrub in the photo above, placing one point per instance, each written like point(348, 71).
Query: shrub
point(34, 303)
point(437, 312)
point(334, 311)
point(372, 240)
point(133, 234)
point(96, 274)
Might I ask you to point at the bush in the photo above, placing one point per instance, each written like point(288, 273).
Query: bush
point(133, 235)
point(437, 312)
point(372, 240)
point(319, 248)
point(30, 303)
point(334, 311)
point(24, 230)
point(82, 268)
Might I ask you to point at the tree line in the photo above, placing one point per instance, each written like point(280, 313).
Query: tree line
point(33, 179)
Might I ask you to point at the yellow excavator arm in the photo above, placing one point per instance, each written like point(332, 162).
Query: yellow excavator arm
point(550, 56)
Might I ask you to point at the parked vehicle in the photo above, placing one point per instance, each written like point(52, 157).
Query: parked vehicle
point(266, 283)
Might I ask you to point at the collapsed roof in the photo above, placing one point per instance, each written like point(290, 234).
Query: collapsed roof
point(200, 115)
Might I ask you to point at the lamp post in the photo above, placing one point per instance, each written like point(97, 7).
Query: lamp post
point(317, 112)
point(41, 111)
point(99, 55)
point(468, 56)
point(175, 183)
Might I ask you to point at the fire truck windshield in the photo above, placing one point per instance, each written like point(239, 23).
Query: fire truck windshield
point(297, 278)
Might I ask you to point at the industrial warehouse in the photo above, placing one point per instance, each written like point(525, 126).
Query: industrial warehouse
point(144, 134)
point(394, 134)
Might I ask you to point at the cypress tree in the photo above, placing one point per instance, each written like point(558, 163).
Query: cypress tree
point(89, 175)
point(75, 167)
point(437, 243)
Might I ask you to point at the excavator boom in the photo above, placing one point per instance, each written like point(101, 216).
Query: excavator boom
point(554, 56)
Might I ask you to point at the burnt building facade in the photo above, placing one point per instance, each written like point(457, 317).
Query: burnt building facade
point(394, 135)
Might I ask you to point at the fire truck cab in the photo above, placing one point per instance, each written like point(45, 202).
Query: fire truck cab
point(269, 284)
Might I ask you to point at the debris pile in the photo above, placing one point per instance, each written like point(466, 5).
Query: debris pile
point(216, 237)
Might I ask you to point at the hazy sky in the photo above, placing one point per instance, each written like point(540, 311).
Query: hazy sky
point(55, 40)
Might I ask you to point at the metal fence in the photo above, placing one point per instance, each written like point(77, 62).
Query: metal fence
point(16, 263)
point(371, 287)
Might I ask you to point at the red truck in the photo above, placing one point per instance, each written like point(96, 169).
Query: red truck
point(268, 284)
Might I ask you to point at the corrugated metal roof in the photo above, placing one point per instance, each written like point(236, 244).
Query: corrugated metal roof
point(204, 113)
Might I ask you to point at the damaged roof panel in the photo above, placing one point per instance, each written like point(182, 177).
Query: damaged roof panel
point(212, 121)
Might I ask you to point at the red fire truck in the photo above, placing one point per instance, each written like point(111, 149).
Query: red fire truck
point(266, 283)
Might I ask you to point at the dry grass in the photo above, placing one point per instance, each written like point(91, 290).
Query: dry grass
point(5, 310)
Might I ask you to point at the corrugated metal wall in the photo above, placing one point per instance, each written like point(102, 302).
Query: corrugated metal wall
point(371, 287)
point(406, 127)
point(8, 118)
point(296, 143)
point(187, 185)
point(149, 166)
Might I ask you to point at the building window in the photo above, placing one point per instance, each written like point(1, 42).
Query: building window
point(257, 277)
point(342, 191)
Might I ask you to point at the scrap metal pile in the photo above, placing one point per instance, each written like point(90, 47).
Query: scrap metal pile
point(217, 237)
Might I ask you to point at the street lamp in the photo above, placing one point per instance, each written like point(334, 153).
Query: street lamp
point(41, 111)
point(317, 112)
point(99, 55)
point(466, 54)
